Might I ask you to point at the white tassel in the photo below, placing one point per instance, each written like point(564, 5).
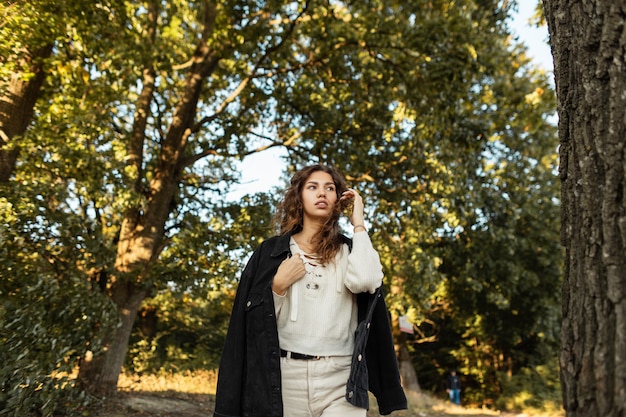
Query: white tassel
point(293, 308)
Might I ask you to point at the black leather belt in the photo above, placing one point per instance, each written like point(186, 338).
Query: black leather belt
point(300, 356)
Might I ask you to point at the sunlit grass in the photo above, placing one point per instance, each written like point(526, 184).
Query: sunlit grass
point(197, 382)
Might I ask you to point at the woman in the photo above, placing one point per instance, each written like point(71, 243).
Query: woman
point(309, 333)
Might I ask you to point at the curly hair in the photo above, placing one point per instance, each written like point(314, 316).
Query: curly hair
point(289, 217)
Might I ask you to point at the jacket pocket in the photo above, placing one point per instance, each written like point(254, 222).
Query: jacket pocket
point(254, 301)
point(255, 324)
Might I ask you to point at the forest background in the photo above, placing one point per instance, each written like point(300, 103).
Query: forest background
point(123, 127)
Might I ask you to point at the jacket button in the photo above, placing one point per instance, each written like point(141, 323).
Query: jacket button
point(368, 325)
point(360, 357)
point(351, 394)
point(249, 303)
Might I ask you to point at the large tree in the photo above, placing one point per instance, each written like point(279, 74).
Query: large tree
point(589, 49)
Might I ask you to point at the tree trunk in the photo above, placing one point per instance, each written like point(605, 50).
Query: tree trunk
point(408, 376)
point(99, 375)
point(589, 48)
point(17, 103)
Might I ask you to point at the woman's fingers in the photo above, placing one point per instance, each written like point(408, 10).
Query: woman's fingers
point(292, 268)
point(356, 217)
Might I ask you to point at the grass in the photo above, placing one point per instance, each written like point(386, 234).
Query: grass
point(197, 382)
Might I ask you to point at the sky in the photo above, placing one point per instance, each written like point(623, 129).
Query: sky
point(535, 39)
point(262, 171)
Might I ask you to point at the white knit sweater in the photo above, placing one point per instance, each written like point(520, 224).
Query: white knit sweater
point(318, 314)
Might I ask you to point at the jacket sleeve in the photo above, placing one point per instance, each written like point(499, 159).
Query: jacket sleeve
point(232, 363)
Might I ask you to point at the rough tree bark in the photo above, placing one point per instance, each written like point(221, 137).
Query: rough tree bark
point(588, 40)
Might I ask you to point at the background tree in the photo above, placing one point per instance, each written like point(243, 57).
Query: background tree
point(589, 47)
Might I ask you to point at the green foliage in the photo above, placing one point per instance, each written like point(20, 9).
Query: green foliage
point(45, 324)
point(533, 389)
point(179, 333)
point(44, 329)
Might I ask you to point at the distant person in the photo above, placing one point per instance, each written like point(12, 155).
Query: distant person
point(308, 308)
point(453, 387)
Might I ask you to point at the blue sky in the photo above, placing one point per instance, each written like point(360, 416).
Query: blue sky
point(535, 39)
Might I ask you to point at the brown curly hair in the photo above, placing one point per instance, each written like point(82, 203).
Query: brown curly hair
point(289, 217)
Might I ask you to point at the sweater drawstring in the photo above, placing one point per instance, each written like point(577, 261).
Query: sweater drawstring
point(342, 273)
point(293, 309)
point(293, 303)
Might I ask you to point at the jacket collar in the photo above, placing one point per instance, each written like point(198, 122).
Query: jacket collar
point(282, 245)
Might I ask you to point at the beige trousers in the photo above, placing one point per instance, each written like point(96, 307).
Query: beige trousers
point(317, 388)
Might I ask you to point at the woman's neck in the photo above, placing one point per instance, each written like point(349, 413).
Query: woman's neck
point(306, 235)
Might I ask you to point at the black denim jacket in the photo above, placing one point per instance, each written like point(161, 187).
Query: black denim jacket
point(249, 382)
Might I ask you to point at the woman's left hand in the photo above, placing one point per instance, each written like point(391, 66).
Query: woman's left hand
point(356, 217)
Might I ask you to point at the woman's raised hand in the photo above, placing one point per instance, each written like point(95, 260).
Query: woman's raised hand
point(357, 216)
point(289, 271)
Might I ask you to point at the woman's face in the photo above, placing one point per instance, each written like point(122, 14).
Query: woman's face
point(319, 196)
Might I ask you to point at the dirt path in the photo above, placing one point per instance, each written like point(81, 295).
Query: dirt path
point(162, 404)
